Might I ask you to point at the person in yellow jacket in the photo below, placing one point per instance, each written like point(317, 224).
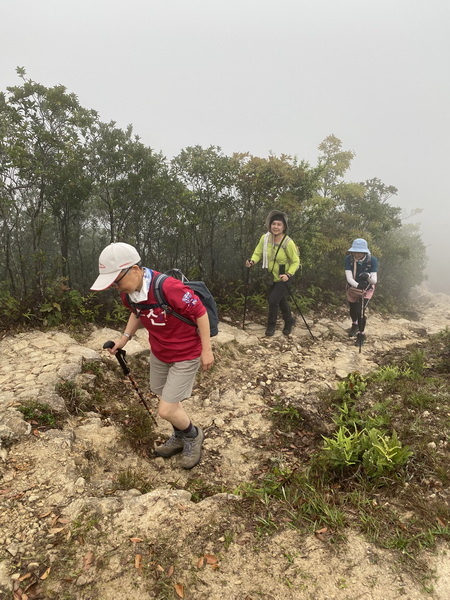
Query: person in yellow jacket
point(280, 256)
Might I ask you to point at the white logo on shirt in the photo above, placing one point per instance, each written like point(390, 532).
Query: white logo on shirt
point(161, 321)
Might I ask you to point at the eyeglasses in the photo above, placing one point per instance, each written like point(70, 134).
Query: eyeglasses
point(116, 281)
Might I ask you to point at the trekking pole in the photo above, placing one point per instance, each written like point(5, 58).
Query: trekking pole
point(301, 314)
point(245, 297)
point(121, 357)
point(362, 317)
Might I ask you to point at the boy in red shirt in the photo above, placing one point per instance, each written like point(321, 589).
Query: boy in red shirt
point(176, 348)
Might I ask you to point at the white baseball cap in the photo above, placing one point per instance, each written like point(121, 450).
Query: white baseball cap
point(113, 259)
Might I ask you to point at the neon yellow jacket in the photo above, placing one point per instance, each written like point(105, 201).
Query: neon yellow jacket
point(288, 255)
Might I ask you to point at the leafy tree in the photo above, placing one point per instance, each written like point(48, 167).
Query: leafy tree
point(333, 163)
point(46, 165)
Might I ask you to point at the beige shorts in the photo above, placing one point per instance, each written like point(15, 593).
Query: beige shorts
point(173, 382)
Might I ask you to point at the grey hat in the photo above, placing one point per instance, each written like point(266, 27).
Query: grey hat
point(277, 215)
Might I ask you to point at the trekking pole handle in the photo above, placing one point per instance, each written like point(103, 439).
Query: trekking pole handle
point(120, 355)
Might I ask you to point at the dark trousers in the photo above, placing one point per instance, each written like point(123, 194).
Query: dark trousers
point(356, 313)
point(278, 296)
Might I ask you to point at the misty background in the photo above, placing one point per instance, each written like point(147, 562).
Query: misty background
point(260, 76)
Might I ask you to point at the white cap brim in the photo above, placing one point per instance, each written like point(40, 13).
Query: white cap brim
point(104, 281)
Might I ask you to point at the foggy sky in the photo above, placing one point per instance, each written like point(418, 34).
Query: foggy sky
point(261, 76)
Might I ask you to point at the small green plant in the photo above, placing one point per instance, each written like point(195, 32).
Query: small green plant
point(137, 428)
point(133, 480)
point(387, 373)
point(287, 415)
point(83, 524)
point(52, 314)
point(39, 413)
point(118, 314)
point(317, 507)
point(421, 399)
point(71, 394)
point(383, 454)
point(201, 489)
point(352, 387)
point(416, 361)
point(348, 416)
point(266, 525)
point(344, 448)
point(92, 366)
point(378, 453)
point(9, 308)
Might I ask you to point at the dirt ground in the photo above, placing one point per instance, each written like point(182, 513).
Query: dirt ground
point(67, 532)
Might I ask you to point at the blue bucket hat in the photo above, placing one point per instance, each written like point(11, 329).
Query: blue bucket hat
point(359, 245)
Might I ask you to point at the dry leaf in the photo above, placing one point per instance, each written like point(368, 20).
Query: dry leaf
point(215, 567)
point(23, 577)
point(160, 568)
point(138, 561)
point(63, 521)
point(42, 515)
point(321, 531)
point(440, 522)
point(211, 559)
point(135, 540)
point(36, 433)
point(56, 529)
point(201, 562)
point(170, 571)
point(88, 559)
point(46, 573)
point(179, 588)
point(54, 520)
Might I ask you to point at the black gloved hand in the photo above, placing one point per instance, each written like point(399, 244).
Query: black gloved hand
point(364, 277)
point(362, 286)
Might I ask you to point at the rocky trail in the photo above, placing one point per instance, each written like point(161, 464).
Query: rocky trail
point(68, 532)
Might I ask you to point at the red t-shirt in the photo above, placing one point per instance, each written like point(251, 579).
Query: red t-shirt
point(171, 339)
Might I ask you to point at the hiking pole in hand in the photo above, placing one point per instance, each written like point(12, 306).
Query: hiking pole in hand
point(247, 281)
point(301, 314)
point(121, 357)
point(362, 318)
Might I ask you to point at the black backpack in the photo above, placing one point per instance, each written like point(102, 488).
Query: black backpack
point(200, 289)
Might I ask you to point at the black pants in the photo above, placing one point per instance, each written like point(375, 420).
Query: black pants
point(278, 296)
point(356, 313)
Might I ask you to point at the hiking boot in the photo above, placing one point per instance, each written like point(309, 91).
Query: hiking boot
point(192, 450)
point(288, 326)
point(172, 446)
point(353, 330)
point(360, 339)
point(270, 331)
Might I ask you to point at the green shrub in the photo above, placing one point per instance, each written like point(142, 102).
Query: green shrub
point(378, 453)
point(352, 387)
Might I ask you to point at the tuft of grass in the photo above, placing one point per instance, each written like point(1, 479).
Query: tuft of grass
point(201, 489)
point(133, 480)
point(286, 415)
point(92, 366)
point(137, 429)
point(39, 413)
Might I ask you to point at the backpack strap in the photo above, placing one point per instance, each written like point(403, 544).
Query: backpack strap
point(276, 253)
point(161, 301)
point(368, 265)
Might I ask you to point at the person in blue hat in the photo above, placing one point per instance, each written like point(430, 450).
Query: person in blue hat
point(361, 274)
